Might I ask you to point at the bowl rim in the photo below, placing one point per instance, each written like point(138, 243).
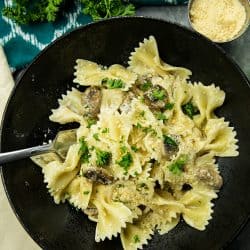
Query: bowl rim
point(86, 26)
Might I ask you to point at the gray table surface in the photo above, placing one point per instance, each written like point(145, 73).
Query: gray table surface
point(239, 50)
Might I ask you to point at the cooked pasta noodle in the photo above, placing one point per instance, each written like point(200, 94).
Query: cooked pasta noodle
point(145, 150)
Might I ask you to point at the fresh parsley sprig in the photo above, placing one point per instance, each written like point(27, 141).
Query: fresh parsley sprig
point(27, 11)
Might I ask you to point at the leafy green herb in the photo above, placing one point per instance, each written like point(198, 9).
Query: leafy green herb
point(134, 148)
point(138, 125)
point(169, 141)
point(136, 239)
point(148, 130)
point(86, 192)
point(84, 151)
point(177, 167)
point(126, 161)
point(96, 137)
point(90, 122)
point(158, 94)
point(99, 9)
point(136, 173)
point(169, 106)
point(102, 158)
point(120, 185)
point(26, 11)
point(123, 149)
point(190, 110)
point(146, 86)
point(142, 113)
point(113, 83)
point(105, 130)
point(161, 116)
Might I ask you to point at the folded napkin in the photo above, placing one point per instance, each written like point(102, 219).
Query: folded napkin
point(23, 43)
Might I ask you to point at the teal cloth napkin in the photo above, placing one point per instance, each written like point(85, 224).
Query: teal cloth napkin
point(22, 43)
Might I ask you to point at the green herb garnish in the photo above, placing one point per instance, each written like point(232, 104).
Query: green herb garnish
point(113, 83)
point(90, 122)
point(126, 161)
point(134, 148)
point(105, 130)
point(136, 239)
point(102, 158)
point(169, 141)
point(142, 113)
point(190, 110)
point(123, 149)
point(169, 106)
point(84, 151)
point(99, 9)
point(26, 11)
point(158, 95)
point(161, 116)
point(177, 167)
point(96, 137)
point(146, 86)
point(138, 125)
point(86, 192)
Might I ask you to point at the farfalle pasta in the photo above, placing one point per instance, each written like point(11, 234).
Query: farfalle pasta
point(144, 152)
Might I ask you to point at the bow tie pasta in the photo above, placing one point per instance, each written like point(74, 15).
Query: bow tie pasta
point(144, 152)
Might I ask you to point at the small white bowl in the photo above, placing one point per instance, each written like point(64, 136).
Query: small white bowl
point(246, 5)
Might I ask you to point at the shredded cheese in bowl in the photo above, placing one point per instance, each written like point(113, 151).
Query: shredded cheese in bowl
point(220, 21)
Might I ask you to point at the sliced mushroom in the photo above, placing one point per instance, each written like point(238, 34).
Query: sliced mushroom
point(154, 101)
point(126, 104)
point(91, 101)
point(99, 175)
point(210, 176)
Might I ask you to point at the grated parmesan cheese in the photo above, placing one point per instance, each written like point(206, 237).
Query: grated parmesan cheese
point(219, 20)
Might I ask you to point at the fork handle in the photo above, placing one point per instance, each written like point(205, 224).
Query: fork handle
point(24, 153)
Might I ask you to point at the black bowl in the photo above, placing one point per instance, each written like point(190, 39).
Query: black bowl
point(26, 121)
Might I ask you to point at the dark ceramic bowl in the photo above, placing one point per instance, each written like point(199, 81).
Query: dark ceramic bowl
point(26, 121)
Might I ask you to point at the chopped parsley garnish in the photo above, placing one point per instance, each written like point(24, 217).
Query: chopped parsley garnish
point(136, 173)
point(177, 167)
point(169, 106)
point(134, 148)
point(138, 125)
point(146, 129)
point(125, 161)
point(86, 192)
point(113, 83)
point(190, 110)
point(105, 130)
point(161, 116)
point(102, 158)
point(136, 239)
point(146, 86)
point(100, 9)
point(158, 95)
point(84, 151)
point(169, 141)
point(96, 137)
point(142, 113)
point(90, 122)
point(123, 149)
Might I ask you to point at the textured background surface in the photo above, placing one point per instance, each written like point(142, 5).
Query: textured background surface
point(238, 49)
